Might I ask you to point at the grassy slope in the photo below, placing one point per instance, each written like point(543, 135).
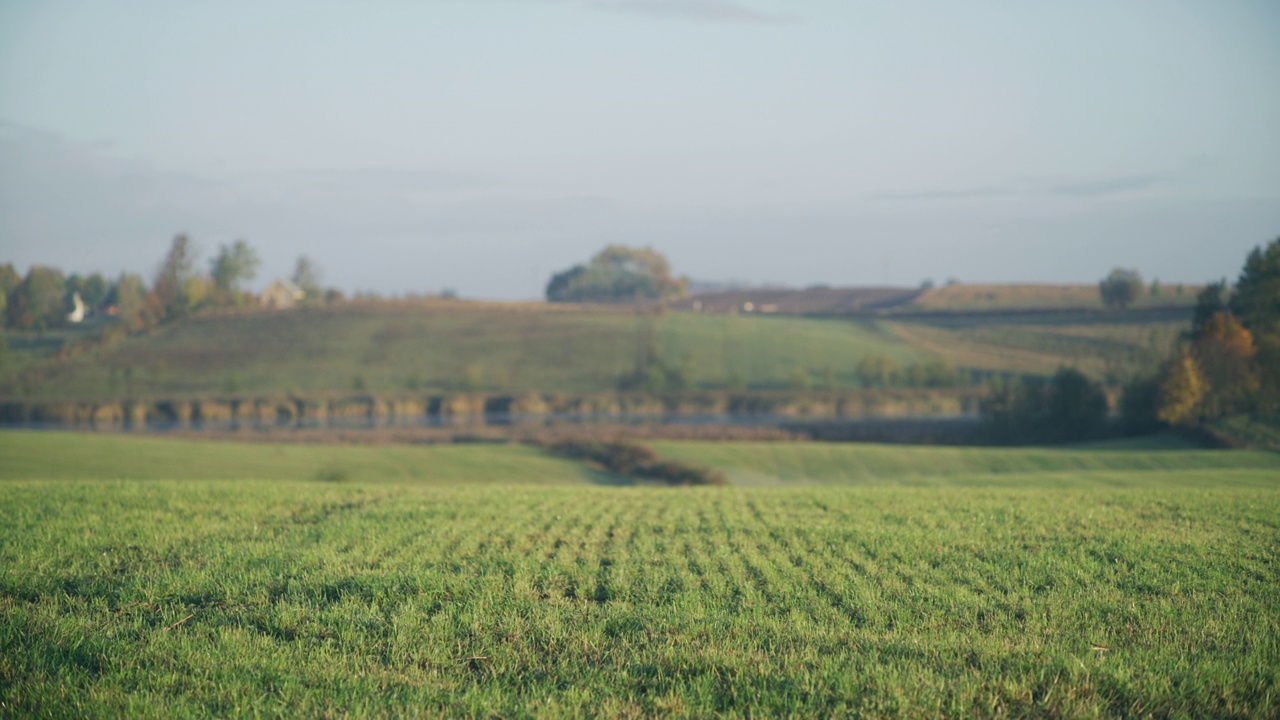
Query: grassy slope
point(771, 463)
point(445, 345)
point(964, 296)
point(557, 349)
point(66, 456)
point(1120, 344)
point(24, 349)
point(1255, 431)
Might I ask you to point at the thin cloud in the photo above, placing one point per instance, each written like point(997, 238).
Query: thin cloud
point(962, 194)
point(698, 10)
point(389, 179)
point(1103, 187)
point(1080, 187)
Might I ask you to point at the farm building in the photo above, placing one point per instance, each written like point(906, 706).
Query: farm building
point(281, 293)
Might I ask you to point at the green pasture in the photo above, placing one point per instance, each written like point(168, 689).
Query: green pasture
point(455, 346)
point(1117, 345)
point(229, 580)
point(1260, 430)
point(461, 346)
point(70, 456)
point(1160, 463)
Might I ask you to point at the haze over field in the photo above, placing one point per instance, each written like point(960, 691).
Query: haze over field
point(483, 145)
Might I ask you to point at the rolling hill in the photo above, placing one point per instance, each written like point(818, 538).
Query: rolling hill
point(387, 346)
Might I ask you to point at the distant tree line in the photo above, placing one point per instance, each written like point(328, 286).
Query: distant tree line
point(44, 298)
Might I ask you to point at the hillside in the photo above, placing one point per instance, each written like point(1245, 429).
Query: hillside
point(952, 298)
point(965, 297)
point(457, 345)
point(811, 301)
point(1109, 345)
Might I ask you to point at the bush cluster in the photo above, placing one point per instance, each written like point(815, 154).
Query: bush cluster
point(1067, 408)
point(634, 460)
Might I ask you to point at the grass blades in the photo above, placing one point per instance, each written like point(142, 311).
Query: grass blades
point(1133, 579)
point(203, 599)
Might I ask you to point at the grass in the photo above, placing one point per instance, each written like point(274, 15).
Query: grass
point(20, 350)
point(386, 347)
point(1109, 581)
point(783, 462)
point(1118, 345)
point(963, 296)
point(1255, 431)
point(383, 347)
point(69, 456)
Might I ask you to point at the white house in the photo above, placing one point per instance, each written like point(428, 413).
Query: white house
point(281, 293)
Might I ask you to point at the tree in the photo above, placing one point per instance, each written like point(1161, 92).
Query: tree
point(1076, 407)
point(306, 275)
point(9, 282)
point(1181, 390)
point(93, 289)
point(171, 285)
point(234, 264)
point(564, 285)
point(1257, 303)
point(1257, 298)
point(1224, 352)
point(617, 274)
point(128, 295)
point(1067, 408)
point(10, 279)
point(1140, 405)
point(1121, 288)
point(877, 371)
point(39, 302)
point(1210, 301)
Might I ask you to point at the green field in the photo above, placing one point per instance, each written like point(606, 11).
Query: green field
point(1164, 462)
point(389, 347)
point(967, 296)
point(70, 456)
point(491, 580)
point(384, 347)
point(1117, 345)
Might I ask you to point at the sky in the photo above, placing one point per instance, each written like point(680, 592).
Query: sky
point(481, 145)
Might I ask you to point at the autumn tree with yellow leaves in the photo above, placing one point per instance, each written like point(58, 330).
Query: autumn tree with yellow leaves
point(1221, 371)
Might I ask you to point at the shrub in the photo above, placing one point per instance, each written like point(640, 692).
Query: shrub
point(1121, 288)
point(636, 460)
point(1067, 408)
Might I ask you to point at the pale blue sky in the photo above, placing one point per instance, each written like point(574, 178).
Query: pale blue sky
point(483, 144)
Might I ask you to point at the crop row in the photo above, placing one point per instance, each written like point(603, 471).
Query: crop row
point(228, 598)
